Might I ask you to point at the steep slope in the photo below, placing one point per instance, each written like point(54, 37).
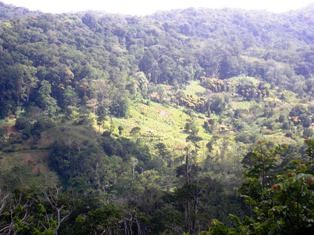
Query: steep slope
point(72, 51)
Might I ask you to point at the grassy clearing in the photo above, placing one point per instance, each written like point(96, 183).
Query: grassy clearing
point(194, 88)
point(165, 123)
point(158, 123)
point(241, 79)
point(26, 169)
point(36, 159)
point(242, 105)
point(7, 122)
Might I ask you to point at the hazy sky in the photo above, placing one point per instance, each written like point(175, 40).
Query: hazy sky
point(142, 7)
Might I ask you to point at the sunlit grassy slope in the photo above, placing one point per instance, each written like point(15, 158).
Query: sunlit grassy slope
point(165, 123)
point(160, 123)
point(26, 169)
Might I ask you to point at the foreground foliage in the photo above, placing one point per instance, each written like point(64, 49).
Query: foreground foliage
point(280, 196)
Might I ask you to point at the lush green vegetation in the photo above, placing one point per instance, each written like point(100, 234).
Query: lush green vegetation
point(183, 122)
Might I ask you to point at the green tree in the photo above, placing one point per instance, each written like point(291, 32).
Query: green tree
point(45, 100)
point(281, 199)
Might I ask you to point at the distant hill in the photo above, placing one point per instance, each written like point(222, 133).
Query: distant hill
point(8, 12)
point(169, 47)
point(69, 53)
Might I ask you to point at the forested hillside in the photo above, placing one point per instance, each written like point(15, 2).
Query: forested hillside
point(10, 12)
point(163, 124)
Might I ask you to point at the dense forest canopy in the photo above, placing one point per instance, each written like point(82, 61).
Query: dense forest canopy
point(73, 51)
point(191, 121)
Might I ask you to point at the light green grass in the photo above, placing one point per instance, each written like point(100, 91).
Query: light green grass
point(194, 88)
point(26, 169)
point(280, 138)
point(242, 79)
point(7, 122)
point(244, 105)
point(159, 123)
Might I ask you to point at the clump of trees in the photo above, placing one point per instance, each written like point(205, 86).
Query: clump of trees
point(216, 85)
point(278, 192)
point(250, 91)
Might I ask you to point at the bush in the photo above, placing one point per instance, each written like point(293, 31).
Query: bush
point(41, 125)
point(285, 126)
point(306, 121)
point(22, 123)
point(218, 105)
point(246, 138)
point(25, 126)
point(46, 123)
point(120, 106)
point(308, 133)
